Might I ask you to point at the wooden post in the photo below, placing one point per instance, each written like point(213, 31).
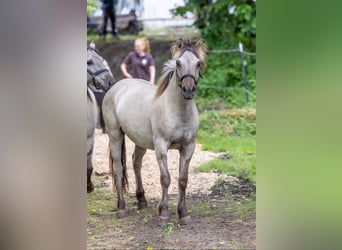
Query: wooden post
point(244, 71)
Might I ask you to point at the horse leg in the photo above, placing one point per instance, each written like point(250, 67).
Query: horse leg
point(116, 143)
point(161, 154)
point(137, 164)
point(184, 161)
point(90, 186)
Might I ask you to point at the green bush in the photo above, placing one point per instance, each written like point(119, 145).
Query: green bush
point(222, 78)
point(223, 24)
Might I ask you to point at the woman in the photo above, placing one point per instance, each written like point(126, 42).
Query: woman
point(140, 61)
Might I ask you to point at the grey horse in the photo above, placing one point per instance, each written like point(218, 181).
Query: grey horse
point(156, 118)
point(98, 76)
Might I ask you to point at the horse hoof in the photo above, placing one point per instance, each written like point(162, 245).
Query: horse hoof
point(142, 205)
point(186, 220)
point(162, 224)
point(90, 188)
point(122, 213)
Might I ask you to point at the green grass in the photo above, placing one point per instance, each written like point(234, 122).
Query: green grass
point(241, 154)
point(249, 205)
point(153, 34)
point(232, 131)
point(109, 38)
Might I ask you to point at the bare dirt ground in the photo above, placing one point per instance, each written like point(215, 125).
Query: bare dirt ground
point(218, 220)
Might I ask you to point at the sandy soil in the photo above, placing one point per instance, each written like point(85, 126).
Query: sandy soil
point(199, 183)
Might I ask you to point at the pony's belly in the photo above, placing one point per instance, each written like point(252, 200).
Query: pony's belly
point(139, 133)
point(141, 141)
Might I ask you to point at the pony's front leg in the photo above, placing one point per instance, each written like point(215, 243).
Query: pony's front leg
point(186, 153)
point(161, 154)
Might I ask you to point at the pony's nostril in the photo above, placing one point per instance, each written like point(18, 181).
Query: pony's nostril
point(184, 89)
point(193, 89)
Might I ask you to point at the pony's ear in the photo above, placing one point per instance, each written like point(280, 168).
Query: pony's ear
point(179, 43)
point(92, 44)
point(202, 49)
point(199, 43)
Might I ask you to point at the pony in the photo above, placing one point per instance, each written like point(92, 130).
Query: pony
point(156, 118)
point(98, 77)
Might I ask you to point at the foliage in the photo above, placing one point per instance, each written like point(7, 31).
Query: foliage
point(223, 78)
point(222, 26)
point(238, 17)
point(91, 6)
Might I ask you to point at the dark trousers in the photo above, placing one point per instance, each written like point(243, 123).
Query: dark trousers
point(99, 98)
point(108, 14)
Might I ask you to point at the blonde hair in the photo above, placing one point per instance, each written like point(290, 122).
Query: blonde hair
point(146, 42)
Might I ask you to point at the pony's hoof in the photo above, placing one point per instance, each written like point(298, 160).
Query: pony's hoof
point(122, 213)
point(142, 205)
point(186, 220)
point(90, 188)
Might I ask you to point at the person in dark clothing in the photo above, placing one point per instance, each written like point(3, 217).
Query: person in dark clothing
point(108, 8)
point(141, 62)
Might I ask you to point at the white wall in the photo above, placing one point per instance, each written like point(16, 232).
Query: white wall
point(160, 9)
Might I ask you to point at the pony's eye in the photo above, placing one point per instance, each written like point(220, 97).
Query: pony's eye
point(198, 64)
point(90, 62)
point(178, 63)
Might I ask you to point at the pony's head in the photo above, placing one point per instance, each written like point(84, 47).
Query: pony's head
point(189, 57)
point(98, 72)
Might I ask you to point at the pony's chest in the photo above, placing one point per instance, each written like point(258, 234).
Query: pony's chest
point(182, 134)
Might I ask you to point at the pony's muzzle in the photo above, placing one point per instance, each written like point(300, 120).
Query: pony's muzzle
point(111, 82)
point(188, 86)
point(188, 92)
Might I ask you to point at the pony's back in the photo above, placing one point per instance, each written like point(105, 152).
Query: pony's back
point(129, 103)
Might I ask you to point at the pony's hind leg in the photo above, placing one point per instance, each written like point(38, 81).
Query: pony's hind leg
point(117, 163)
point(184, 161)
point(137, 164)
point(90, 186)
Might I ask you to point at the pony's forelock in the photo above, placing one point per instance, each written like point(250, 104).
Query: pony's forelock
point(197, 47)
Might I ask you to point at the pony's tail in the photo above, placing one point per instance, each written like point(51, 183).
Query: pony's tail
point(123, 162)
point(124, 168)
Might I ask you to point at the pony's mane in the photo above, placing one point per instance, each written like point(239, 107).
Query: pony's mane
point(164, 80)
point(197, 47)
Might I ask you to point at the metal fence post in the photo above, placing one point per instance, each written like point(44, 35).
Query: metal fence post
point(243, 71)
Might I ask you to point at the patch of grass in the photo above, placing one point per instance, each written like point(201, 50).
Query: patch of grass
point(110, 38)
point(172, 225)
point(202, 208)
point(99, 202)
point(242, 166)
point(131, 37)
point(232, 131)
point(247, 205)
